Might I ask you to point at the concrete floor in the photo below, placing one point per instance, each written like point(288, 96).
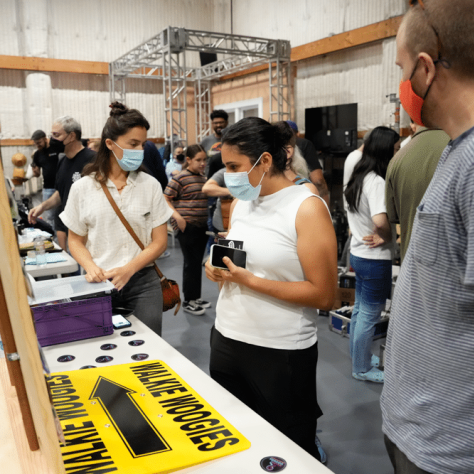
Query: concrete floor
point(350, 428)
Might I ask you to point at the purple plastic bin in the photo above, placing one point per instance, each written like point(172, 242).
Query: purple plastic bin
point(66, 322)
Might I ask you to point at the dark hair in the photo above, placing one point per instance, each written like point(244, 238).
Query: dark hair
point(378, 151)
point(285, 130)
point(219, 113)
point(38, 135)
point(191, 152)
point(121, 120)
point(253, 136)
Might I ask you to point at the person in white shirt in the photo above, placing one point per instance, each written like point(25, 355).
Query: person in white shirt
point(264, 344)
point(98, 240)
point(371, 248)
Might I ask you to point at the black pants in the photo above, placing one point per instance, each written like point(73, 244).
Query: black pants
point(193, 243)
point(143, 295)
point(280, 385)
point(401, 464)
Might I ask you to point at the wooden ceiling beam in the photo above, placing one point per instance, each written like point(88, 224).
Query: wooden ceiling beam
point(26, 63)
point(349, 39)
point(358, 37)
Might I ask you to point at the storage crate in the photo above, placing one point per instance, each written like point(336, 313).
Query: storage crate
point(66, 322)
point(342, 324)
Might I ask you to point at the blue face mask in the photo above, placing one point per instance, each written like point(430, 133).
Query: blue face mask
point(239, 185)
point(131, 159)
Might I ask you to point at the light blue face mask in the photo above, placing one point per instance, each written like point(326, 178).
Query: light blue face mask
point(131, 159)
point(239, 185)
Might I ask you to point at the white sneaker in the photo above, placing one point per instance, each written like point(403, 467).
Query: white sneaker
point(193, 308)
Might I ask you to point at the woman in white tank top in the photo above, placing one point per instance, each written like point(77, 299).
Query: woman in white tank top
point(264, 344)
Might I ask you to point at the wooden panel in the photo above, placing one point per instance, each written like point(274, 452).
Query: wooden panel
point(25, 338)
point(53, 65)
point(14, 451)
point(359, 36)
point(17, 142)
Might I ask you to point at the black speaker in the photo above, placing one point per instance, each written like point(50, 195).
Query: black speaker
point(207, 58)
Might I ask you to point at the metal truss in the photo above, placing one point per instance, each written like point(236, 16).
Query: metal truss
point(280, 90)
point(163, 57)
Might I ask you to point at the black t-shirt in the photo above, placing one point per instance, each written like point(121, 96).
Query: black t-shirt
point(154, 164)
point(69, 171)
point(215, 164)
point(47, 158)
point(309, 153)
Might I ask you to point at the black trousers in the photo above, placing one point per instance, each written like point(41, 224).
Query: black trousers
point(401, 464)
point(280, 385)
point(193, 244)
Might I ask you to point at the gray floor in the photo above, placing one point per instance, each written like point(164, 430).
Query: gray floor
point(350, 429)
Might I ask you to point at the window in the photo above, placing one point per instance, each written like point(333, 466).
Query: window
point(242, 109)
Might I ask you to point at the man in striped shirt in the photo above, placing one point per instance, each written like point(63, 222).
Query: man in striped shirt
point(428, 397)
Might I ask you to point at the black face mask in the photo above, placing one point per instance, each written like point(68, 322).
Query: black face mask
point(58, 145)
point(180, 157)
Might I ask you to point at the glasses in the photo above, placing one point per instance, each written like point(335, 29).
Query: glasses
point(444, 62)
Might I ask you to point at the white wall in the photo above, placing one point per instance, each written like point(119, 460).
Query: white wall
point(364, 75)
point(103, 30)
point(91, 30)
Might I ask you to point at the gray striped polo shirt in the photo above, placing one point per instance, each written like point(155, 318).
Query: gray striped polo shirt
point(428, 396)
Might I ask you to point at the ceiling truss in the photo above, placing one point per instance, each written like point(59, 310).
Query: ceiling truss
point(163, 57)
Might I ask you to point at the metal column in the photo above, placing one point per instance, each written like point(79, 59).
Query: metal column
point(116, 86)
point(202, 100)
point(174, 85)
point(280, 84)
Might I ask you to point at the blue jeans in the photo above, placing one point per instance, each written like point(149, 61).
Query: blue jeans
point(373, 286)
point(48, 215)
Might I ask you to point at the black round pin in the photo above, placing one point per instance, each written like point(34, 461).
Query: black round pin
point(127, 333)
point(140, 356)
point(66, 358)
point(88, 367)
point(103, 359)
point(136, 342)
point(272, 464)
point(108, 347)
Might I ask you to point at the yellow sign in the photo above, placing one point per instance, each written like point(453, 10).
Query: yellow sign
point(137, 418)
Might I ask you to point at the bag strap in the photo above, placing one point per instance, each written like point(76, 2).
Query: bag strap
point(128, 226)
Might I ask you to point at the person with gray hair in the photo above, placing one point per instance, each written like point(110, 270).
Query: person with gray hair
point(67, 131)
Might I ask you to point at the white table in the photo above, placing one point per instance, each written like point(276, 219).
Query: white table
point(50, 269)
point(265, 439)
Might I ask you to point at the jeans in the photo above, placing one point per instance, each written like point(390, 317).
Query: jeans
point(193, 244)
point(373, 286)
point(278, 384)
point(143, 296)
point(48, 215)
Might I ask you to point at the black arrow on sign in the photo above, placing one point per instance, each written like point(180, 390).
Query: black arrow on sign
point(137, 432)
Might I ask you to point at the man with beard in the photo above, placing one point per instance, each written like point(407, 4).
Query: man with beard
point(219, 120)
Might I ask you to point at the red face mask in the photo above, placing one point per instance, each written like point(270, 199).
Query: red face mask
point(411, 101)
